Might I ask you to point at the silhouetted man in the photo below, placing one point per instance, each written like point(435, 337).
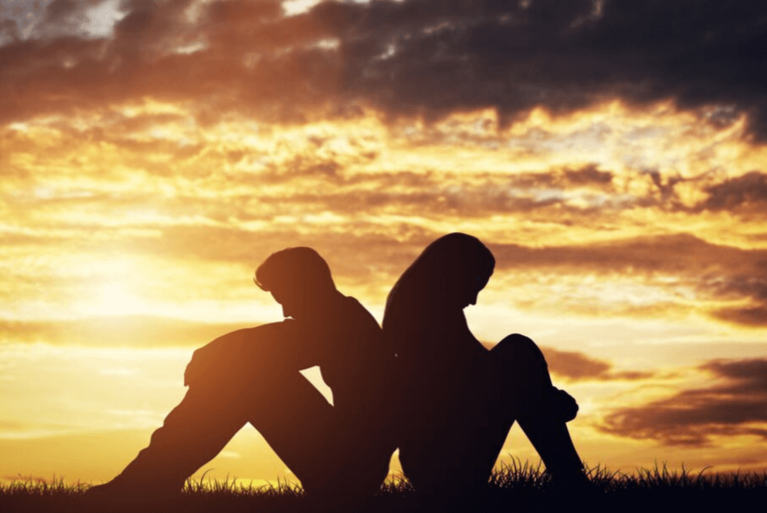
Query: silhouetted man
point(252, 375)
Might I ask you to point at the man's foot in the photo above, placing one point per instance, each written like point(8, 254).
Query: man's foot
point(117, 493)
point(106, 493)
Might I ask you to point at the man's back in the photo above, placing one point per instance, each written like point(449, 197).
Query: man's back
point(353, 361)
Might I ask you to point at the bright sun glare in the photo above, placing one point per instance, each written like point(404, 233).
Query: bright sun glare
point(115, 298)
point(115, 289)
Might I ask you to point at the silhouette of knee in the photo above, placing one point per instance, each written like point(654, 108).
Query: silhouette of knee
point(518, 351)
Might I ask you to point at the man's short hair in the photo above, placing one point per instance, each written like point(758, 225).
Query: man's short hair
point(294, 266)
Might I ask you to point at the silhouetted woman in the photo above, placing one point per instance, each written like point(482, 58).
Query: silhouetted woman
point(457, 399)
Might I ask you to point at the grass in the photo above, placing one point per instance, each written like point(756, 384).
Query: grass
point(515, 487)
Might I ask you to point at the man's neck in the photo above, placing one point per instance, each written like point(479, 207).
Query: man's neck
point(326, 305)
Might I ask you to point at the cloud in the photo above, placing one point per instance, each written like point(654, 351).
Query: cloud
point(747, 192)
point(149, 179)
point(588, 175)
point(122, 331)
point(577, 366)
point(669, 253)
point(413, 58)
point(749, 316)
point(454, 55)
point(712, 272)
point(734, 405)
point(752, 286)
point(8, 32)
point(370, 228)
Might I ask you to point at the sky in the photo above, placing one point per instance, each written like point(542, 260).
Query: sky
point(611, 154)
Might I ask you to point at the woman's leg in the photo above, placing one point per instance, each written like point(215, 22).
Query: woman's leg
point(453, 431)
point(522, 375)
point(452, 439)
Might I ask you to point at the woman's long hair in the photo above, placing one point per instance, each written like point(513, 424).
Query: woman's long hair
point(430, 291)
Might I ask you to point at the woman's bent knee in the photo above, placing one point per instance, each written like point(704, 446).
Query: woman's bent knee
point(518, 349)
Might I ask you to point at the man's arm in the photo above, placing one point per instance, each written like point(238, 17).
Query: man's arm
point(253, 353)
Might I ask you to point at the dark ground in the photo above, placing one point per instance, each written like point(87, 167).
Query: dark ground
point(512, 489)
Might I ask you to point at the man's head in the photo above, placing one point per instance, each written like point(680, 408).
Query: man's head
point(298, 278)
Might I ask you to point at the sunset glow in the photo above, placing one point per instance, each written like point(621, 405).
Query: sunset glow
point(152, 154)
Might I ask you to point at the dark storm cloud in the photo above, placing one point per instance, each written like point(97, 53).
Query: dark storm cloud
point(415, 57)
point(442, 56)
point(736, 404)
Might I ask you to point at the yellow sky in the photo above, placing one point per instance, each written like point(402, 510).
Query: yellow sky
point(629, 235)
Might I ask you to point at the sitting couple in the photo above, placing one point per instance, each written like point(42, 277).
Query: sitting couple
point(423, 384)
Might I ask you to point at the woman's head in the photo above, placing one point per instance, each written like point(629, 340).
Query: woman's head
point(450, 271)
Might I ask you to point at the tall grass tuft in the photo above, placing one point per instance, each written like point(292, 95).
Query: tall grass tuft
point(516, 486)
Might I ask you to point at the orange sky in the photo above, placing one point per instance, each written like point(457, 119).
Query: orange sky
point(152, 154)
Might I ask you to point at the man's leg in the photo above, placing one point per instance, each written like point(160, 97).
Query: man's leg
point(333, 456)
point(294, 418)
point(299, 424)
point(193, 433)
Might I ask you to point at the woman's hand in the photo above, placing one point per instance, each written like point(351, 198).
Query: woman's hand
point(563, 404)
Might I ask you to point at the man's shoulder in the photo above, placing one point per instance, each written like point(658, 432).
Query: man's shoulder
point(353, 303)
point(353, 308)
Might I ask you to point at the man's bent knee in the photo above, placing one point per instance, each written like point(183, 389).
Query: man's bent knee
point(242, 357)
